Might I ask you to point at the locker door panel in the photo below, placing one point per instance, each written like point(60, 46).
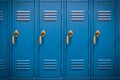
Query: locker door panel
point(50, 0)
point(77, 0)
point(119, 48)
point(104, 49)
point(3, 40)
point(118, 37)
point(77, 49)
point(104, 0)
point(3, 0)
point(104, 79)
point(23, 48)
point(23, 0)
point(50, 46)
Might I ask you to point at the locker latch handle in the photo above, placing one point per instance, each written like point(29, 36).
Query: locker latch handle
point(16, 33)
point(42, 35)
point(70, 34)
point(97, 34)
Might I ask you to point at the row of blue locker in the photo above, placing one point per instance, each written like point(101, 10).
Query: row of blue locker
point(59, 40)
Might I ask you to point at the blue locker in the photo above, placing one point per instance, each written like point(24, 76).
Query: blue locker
point(105, 0)
point(104, 40)
point(50, 40)
point(77, 40)
point(78, 0)
point(119, 37)
point(22, 51)
point(3, 40)
point(101, 78)
point(3, 1)
point(23, 0)
point(50, 0)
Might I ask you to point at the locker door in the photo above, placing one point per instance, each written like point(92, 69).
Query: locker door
point(78, 0)
point(77, 40)
point(22, 52)
point(24, 0)
point(119, 37)
point(104, 0)
point(51, 0)
point(3, 40)
point(50, 40)
point(104, 40)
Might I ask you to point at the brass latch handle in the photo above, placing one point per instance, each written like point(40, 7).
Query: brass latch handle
point(94, 39)
point(97, 34)
point(70, 34)
point(67, 40)
point(40, 39)
point(15, 35)
point(42, 35)
point(13, 40)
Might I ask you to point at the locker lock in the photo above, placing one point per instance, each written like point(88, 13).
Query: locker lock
point(16, 33)
point(97, 33)
point(43, 33)
point(70, 33)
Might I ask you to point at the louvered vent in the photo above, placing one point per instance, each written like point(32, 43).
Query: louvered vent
point(50, 15)
point(50, 64)
point(23, 15)
point(23, 65)
point(1, 16)
point(1, 65)
point(104, 15)
point(77, 15)
point(77, 64)
point(104, 64)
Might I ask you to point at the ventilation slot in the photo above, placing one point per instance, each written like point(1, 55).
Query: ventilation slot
point(77, 15)
point(23, 65)
point(50, 64)
point(50, 15)
point(104, 15)
point(1, 16)
point(23, 15)
point(1, 65)
point(104, 64)
point(77, 64)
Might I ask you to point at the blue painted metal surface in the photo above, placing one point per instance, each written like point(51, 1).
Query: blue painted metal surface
point(49, 55)
point(119, 36)
point(3, 1)
point(104, 49)
point(50, 0)
point(105, 0)
point(77, 49)
point(77, 0)
point(22, 53)
point(23, 0)
point(50, 49)
point(3, 40)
